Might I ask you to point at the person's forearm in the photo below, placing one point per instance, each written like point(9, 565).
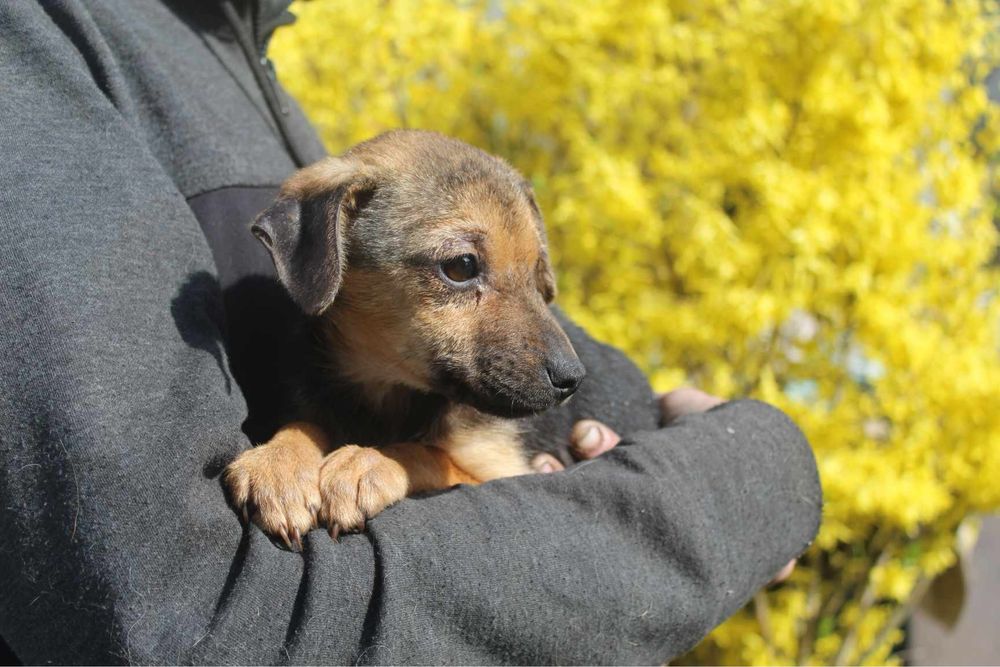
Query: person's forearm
point(631, 558)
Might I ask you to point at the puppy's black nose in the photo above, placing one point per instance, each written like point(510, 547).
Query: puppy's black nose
point(565, 374)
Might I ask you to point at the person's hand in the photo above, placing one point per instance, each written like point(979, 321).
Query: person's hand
point(590, 438)
point(685, 401)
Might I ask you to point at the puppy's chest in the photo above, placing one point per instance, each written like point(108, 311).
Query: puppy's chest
point(485, 447)
point(348, 419)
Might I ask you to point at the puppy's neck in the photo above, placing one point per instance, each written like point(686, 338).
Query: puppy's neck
point(368, 353)
point(387, 401)
point(385, 392)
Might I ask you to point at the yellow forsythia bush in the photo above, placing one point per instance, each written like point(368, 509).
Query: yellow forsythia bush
point(786, 199)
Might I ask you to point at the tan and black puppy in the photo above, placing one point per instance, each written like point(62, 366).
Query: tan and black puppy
point(423, 263)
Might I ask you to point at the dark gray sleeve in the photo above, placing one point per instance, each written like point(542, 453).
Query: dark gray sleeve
point(117, 541)
point(631, 558)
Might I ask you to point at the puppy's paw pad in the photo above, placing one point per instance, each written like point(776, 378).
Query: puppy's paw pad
point(279, 492)
point(356, 483)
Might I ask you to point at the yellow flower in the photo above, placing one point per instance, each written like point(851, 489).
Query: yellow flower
point(775, 198)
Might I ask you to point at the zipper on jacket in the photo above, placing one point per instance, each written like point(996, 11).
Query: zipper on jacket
point(245, 31)
point(272, 76)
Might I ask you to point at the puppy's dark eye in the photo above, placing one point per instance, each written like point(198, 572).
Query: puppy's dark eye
point(460, 269)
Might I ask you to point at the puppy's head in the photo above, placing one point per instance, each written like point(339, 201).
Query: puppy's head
point(427, 260)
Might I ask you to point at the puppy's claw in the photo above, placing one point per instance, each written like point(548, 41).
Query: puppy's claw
point(334, 531)
point(297, 539)
point(283, 534)
point(245, 515)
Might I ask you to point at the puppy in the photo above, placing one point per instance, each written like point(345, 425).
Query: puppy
point(422, 263)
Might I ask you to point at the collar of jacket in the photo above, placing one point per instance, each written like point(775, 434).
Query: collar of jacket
point(251, 23)
point(262, 18)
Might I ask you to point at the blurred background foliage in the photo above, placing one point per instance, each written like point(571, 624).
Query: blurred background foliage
point(784, 199)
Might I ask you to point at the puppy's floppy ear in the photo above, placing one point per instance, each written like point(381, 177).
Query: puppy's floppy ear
point(543, 271)
point(304, 229)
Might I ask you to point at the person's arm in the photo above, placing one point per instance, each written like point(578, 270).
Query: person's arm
point(630, 558)
point(118, 543)
point(589, 439)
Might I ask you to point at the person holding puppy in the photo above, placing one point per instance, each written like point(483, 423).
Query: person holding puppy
point(142, 324)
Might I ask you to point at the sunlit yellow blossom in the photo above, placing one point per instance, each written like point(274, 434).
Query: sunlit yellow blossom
point(775, 198)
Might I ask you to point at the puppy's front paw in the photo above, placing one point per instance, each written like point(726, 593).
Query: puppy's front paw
point(356, 483)
point(278, 487)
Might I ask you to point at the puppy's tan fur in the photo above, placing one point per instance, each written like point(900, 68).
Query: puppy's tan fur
point(359, 240)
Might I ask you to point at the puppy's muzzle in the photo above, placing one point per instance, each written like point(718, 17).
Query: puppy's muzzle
point(511, 385)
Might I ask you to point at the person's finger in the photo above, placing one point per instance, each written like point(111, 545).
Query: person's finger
point(684, 401)
point(785, 572)
point(545, 463)
point(591, 438)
